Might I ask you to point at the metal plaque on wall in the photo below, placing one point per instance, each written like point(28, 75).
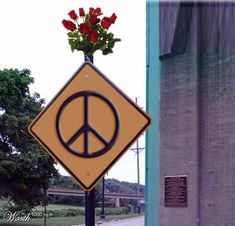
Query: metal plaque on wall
point(176, 194)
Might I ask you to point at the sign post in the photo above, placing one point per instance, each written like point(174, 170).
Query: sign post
point(89, 195)
point(90, 207)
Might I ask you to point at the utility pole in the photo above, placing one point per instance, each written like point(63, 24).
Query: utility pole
point(137, 151)
point(45, 205)
point(102, 215)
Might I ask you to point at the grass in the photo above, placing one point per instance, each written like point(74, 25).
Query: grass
point(65, 221)
point(11, 224)
point(49, 207)
point(60, 221)
point(56, 207)
point(57, 221)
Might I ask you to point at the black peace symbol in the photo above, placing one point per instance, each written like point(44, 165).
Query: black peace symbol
point(87, 128)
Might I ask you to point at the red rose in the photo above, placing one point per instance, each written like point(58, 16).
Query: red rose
point(94, 19)
point(91, 11)
point(81, 12)
point(98, 11)
point(69, 25)
point(93, 36)
point(84, 28)
point(73, 15)
point(106, 22)
point(113, 18)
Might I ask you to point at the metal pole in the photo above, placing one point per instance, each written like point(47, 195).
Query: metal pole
point(102, 215)
point(138, 177)
point(89, 195)
point(138, 172)
point(90, 207)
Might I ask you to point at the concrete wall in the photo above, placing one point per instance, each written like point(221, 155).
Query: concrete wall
point(197, 116)
point(217, 160)
point(179, 135)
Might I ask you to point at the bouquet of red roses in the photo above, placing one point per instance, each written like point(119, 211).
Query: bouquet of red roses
point(88, 32)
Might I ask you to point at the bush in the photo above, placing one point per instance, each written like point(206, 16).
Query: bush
point(113, 211)
point(6, 206)
point(68, 212)
point(69, 200)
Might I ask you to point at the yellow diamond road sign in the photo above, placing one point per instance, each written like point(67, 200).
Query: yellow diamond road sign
point(88, 125)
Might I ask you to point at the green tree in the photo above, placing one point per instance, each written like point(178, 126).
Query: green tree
point(114, 185)
point(98, 194)
point(25, 168)
point(66, 182)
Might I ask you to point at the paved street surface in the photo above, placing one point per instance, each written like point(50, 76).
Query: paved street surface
point(138, 221)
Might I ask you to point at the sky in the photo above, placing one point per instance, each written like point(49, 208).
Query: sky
point(33, 37)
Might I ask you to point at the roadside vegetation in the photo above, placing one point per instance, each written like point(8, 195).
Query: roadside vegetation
point(65, 215)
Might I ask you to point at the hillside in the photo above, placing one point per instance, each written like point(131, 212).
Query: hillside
point(111, 185)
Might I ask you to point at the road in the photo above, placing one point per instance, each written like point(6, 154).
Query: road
point(138, 221)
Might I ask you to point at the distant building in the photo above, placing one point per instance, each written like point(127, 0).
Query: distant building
point(197, 114)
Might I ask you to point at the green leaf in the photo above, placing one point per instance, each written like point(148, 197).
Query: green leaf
point(74, 34)
point(111, 44)
point(96, 27)
point(117, 39)
point(79, 46)
point(107, 51)
point(70, 34)
point(102, 31)
point(110, 35)
point(72, 44)
point(87, 18)
point(103, 47)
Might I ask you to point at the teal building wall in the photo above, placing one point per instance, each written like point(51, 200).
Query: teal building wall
point(153, 98)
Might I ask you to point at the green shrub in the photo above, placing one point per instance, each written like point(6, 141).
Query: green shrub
point(68, 212)
point(4, 207)
point(113, 211)
point(129, 208)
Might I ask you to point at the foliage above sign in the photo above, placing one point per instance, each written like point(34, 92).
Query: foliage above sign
point(88, 32)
